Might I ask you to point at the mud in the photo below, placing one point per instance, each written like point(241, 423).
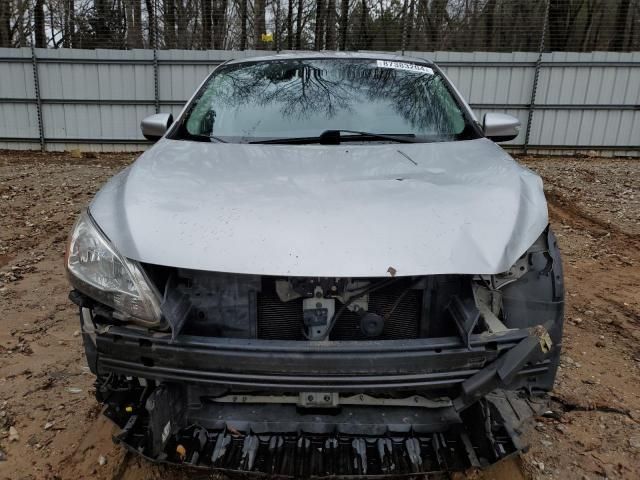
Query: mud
point(46, 392)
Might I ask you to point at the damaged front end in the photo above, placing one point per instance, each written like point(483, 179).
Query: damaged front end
point(313, 377)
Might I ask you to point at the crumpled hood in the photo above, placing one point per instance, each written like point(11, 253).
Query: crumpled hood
point(325, 211)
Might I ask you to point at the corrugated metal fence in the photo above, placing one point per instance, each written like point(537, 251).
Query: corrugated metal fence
point(95, 99)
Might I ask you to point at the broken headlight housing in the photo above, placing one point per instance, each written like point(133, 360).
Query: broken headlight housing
point(96, 269)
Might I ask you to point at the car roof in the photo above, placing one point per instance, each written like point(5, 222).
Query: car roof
point(338, 55)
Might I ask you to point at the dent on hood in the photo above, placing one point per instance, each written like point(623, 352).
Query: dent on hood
point(342, 211)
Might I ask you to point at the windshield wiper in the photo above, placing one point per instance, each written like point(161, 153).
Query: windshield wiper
point(201, 137)
point(334, 137)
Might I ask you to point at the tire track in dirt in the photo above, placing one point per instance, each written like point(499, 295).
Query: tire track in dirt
point(622, 307)
point(563, 208)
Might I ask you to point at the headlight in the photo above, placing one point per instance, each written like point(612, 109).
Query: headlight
point(97, 270)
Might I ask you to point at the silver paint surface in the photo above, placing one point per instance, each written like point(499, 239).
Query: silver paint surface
point(351, 210)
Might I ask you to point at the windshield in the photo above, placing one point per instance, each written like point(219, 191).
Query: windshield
point(302, 98)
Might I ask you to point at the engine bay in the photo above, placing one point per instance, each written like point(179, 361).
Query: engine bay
point(313, 309)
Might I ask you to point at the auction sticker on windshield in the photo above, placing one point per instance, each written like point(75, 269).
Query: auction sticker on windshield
point(405, 66)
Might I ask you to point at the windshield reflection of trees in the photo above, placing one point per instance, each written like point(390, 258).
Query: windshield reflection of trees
point(303, 89)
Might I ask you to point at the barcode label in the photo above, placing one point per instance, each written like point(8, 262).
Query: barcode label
point(412, 67)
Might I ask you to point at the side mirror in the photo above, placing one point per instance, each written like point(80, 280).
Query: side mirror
point(155, 126)
point(500, 127)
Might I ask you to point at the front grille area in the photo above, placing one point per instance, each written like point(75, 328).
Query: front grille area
point(279, 320)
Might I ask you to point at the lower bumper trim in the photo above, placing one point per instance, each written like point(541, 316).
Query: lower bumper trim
point(359, 443)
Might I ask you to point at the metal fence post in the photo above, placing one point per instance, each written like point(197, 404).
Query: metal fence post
point(36, 87)
point(536, 75)
point(403, 40)
point(156, 88)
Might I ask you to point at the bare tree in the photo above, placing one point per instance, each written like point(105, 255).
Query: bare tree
point(259, 23)
point(489, 15)
point(219, 23)
point(299, 25)
point(137, 20)
point(243, 24)
point(128, 11)
point(275, 6)
point(151, 17)
point(290, 24)
point(207, 24)
point(68, 27)
point(5, 25)
point(187, 26)
point(320, 19)
point(562, 18)
point(364, 41)
point(331, 25)
point(344, 23)
point(500, 25)
point(620, 27)
point(38, 24)
point(169, 24)
point(133, 16)
point(409, 24)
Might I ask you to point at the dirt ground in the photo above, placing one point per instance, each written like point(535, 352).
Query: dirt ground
point(50, 424)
